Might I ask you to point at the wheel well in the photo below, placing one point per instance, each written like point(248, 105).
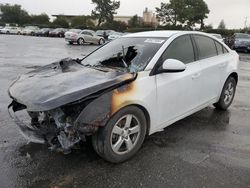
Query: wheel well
point(146, 116)
point(145, 112)
point(235, 76)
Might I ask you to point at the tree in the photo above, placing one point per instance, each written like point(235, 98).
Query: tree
point(196, 11)
point(14, 14)
point(134, 21)
point(170, 12)
point(42, 19)
point(61, 22)
point(185, 12)
point(105, 10)
point(115, 25)
point(222, 25)
point(82, 21)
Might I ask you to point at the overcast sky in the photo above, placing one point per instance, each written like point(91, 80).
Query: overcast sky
point(233, 12)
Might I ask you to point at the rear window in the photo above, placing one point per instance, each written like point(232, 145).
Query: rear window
point(206, 46)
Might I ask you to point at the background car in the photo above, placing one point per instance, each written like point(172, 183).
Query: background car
point(58, 32)
point(44, 32)
point(104, 33)
point(241, 42)
point(30, 30)
point(114, 35)
point(218, 36)
point(71, 36)
point(89, 36)
point(10, 30)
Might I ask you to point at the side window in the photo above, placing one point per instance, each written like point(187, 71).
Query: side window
point(180, 49)
point(206, 46)
point(219, 48)
point(88, 33)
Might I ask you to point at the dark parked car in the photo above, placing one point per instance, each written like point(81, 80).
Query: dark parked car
point(241, 42)
point(43, 32)
point(58, 32)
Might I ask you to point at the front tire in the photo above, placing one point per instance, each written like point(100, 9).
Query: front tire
point(122, 136)
point(227, 94)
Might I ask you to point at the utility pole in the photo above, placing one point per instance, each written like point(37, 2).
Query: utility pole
point(245, 24)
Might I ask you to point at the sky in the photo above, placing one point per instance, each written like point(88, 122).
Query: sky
point(234, 12)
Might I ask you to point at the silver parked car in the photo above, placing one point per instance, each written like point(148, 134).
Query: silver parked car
point(85, 36)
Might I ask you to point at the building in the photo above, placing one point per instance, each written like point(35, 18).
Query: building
point(149, 18)
point(123, 18)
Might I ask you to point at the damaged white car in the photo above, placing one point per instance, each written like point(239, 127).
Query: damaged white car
point(129, 88)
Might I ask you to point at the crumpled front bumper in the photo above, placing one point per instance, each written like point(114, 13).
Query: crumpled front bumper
point(29, 132)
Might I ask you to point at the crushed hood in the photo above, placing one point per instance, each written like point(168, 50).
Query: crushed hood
point(63, 82)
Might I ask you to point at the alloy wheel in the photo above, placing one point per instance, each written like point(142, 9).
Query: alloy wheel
point(125, 134)
point(229, 93)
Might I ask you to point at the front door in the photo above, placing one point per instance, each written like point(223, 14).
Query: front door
point(178, 93)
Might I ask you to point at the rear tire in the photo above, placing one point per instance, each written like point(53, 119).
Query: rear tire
point(122, 136)
point(101, 41)
point(227, 94)
point(80, 41)
point(71, 43)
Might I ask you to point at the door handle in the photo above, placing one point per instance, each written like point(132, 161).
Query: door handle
point(196, 75)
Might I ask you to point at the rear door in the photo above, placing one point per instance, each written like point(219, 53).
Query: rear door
point(178, 93)
point(211, 67)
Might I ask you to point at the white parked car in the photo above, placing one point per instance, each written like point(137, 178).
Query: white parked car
point(131, 87)
point(30, 30)
point(10, 30)
point(114, 35)
point(218, 36)
point(84, 36)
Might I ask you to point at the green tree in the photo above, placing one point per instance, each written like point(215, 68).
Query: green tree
point(82, 21)
point(40, 19)
point(134, 21)
point(185, 12)
point(14, 14)
point(222, 25)
point(61, 22)
point(195, 12)
point(115, 25)
point(171, 12)
point(105, 10)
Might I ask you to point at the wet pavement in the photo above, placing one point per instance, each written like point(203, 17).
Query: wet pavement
point(208, 149)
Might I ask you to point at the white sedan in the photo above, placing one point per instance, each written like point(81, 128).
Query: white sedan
point(83, 36)
point(131, 87)
point(10, 30)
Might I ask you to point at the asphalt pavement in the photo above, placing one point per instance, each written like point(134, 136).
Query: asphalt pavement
point(208, 149)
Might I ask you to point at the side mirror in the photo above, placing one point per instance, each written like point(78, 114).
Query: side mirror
point(172, 65)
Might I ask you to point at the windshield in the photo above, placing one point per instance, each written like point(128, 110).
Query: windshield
point(128, 54)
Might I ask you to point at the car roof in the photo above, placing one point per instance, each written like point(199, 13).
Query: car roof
point(165, 34)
